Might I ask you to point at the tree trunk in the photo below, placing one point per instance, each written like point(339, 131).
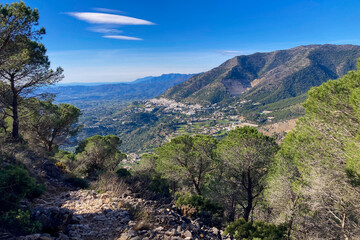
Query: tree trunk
point(249, 206)
point(15, 116)
point(231, 217)
point(50, 146)
point(196, 185)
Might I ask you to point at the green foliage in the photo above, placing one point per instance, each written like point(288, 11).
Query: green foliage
point(209, 212)
point(159, 185)
point(123, 173)
point(143, 118)
point(77, 182)
point(352, 167)
point(317, 171)
point(15, 185)
point(67, 158)
point(24, 65)
point(19, 222)
point(199, 202)
point(243, 230)
point(18, 20)
point(246, 156)
point(99, 154)
point(146, 171)
point(187, 160)
point(50, 125)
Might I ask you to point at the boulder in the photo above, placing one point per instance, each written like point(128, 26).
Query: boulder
point(53, 219)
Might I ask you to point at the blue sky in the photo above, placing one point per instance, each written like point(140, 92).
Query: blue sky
point(106, 41)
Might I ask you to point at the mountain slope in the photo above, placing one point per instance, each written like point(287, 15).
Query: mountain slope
point(268, 77)
point(143, 89)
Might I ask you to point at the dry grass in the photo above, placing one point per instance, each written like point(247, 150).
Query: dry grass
point(110, 182)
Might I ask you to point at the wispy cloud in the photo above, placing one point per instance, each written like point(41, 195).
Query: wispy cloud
point(108, 10)
point(346, 41)
point(120, 37)
point(106, 18)
point(232, 52)
point(104, 30)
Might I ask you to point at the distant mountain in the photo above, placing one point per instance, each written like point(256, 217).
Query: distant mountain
point(144, 79)
point(61, 84)
point(140, 89)
point(270, 77)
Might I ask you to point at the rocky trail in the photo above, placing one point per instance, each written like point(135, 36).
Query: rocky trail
point(86, 214)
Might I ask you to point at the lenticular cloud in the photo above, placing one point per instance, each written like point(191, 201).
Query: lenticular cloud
point(106, 18)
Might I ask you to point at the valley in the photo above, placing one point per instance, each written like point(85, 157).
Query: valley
point(254, 144)
point(256, 90)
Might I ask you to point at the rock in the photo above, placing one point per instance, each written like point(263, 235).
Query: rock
point(158, 229)
point(124, 236)
point(215, 231)
point(45, 238)
point(100, 218)
point(53, 220)
point(6, 236)
point(132, 233)
point(187, 234)
point(62, 237)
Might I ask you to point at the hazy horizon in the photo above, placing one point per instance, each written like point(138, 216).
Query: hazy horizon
point(112, 41)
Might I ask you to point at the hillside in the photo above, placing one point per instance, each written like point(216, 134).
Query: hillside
point(268, 77)
point(140, 89)
point(260, 89)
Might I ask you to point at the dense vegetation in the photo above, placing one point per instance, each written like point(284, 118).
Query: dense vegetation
point(318, 165)
point(306, 188)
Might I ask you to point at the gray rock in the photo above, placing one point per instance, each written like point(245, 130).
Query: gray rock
point(62, 237)
point(53, 220)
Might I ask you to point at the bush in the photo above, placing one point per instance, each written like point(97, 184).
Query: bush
point(67, 160)
point(199, 202)
point(99, 154)
point(159, 185)
point(110, 182)
point(123, 173)
point(242, 230)
point(197, 206)
point(77, 182)
point(15, 185)
point(18, 222)
point(61, 166)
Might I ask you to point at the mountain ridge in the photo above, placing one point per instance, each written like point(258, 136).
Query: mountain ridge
point(268, 77)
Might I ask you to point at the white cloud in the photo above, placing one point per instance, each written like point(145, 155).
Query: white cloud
point(120, 37)
point(106, 18)
point(107, 10)
point(104, 30)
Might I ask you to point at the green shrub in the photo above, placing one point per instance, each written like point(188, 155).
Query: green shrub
point(242, 230)
point(18, 222)
point(209, 212)
point(159, 185)
point(77, 182)
point(199, 202)
point(15, 185)
point(123, 173)
point(66, 158)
